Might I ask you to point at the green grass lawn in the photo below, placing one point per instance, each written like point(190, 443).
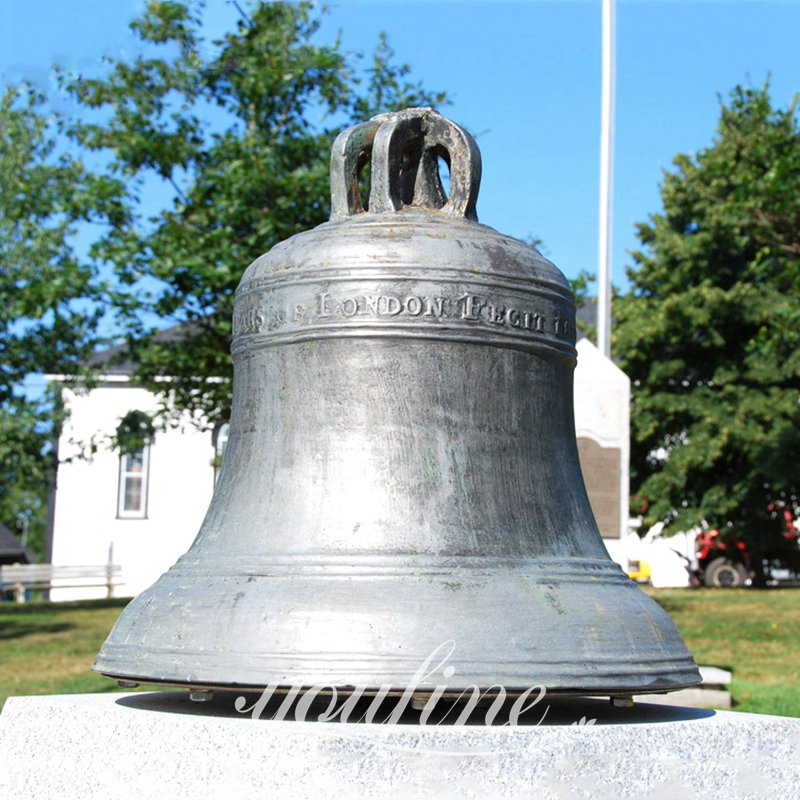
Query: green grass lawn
point(755, 633)
point(48, 648)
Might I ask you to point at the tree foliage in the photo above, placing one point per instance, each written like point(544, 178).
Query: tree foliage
point(235, 136)
point(50, 299)
point(709, 333)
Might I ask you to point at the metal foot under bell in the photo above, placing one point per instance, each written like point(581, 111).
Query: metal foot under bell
point(622, 702)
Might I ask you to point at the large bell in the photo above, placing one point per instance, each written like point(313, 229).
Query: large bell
point(402, 469)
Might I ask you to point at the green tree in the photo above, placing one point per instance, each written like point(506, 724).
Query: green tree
point(709, 333)
point(50, 299)
point(235, 137)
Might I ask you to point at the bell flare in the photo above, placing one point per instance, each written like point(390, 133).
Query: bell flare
point(572, 626)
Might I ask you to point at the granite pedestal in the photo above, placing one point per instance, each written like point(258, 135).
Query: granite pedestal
point(161, 745)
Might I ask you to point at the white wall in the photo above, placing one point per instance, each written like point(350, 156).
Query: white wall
point(602, 413)
point(86, 524)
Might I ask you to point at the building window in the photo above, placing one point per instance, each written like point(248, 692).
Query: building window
point(134, 437)
point(133, 475)
point(220, 441)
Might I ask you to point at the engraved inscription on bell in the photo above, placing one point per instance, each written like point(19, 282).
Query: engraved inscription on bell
point(421, 303)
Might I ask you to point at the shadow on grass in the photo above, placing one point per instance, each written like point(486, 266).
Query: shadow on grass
point(45, 606)
point(41, 617)
point(18, 630)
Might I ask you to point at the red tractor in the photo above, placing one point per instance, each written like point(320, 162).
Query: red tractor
point(729, 564)
point(716, 566)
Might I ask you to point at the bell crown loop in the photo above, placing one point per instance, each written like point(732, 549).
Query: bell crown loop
point(403, 149)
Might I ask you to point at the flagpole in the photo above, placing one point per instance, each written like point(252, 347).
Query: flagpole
point(606, 182)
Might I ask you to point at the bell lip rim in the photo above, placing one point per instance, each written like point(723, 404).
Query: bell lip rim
point(654, 676)
point(398, 690)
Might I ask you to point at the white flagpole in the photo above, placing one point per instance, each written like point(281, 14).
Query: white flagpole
point(606, 182)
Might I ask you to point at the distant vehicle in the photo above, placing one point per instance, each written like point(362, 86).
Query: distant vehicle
point(719, 565)
point(639, 571)
point(729, 565)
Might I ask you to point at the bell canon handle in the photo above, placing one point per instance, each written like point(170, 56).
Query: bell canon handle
point(403, 149)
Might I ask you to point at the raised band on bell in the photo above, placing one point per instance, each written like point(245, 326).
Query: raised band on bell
point(402, 469)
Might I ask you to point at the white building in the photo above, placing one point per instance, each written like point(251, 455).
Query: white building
point(143, 510)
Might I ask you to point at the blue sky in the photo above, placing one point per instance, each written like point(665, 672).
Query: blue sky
point(524, 77)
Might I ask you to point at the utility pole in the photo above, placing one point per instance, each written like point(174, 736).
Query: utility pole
point(606, 181)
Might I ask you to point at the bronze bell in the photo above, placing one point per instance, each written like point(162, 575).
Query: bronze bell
point(402, 469)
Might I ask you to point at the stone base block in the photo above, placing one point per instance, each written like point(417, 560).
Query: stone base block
point(695, 697)
point(161, 745)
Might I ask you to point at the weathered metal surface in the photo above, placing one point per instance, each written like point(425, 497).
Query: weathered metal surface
point(402, 469)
